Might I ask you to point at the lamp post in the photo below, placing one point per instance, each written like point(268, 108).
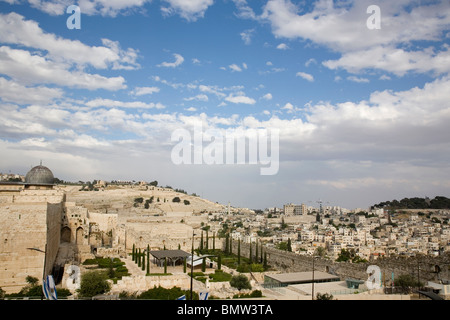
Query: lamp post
point(192, 262)
point(312, 293)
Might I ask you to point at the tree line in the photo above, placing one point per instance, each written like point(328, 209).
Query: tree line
point(438, 202)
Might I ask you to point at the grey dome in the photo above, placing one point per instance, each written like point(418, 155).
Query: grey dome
point(39, 175)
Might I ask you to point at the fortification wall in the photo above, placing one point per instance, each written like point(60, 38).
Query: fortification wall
point(23, 226)
point(421, 266)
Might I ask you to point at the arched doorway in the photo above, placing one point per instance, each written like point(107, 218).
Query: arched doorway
point(79, 236)
point(66, 234)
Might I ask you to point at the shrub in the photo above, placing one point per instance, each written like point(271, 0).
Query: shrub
point(94, 283)
point(160, 293)
point(240, 282)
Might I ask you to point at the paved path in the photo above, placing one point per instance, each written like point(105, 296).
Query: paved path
point(133, 268)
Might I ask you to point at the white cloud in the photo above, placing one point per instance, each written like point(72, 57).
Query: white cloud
point(14, 29)
point(267, 96)
point(246, 36)
point(120, 104)
point(140, 91)
point(305, 76)
point(30, 69)
point(310, 61)
point(394, 60)
point(191, 10)
point(342, 27)
point(240, 98)
point(235, 67)
point(282, 46)
point(11, 91)
point(89, 7)
point(244, 10)
point(358, 79)
point(199, 97)
point(178, 61)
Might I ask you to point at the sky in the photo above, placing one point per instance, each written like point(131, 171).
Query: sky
point(352, 96)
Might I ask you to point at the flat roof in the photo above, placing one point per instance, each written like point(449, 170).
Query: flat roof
point(161, 254)
point(302, 277)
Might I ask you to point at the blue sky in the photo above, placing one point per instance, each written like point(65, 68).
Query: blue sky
point(362, 113)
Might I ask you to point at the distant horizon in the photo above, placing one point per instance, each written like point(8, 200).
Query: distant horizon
point(225, 202)
point(356, 91)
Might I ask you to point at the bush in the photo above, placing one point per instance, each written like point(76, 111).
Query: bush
point(240, 282)
point(94, 283)
point(160, 293)
point(176, 199)
point(220, 276)
point(253, 294)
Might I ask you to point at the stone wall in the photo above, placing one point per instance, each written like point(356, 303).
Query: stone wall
point(28, 221)
point(139, 284)
point(421, 266)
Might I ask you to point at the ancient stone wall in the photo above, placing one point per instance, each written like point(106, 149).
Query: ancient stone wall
point(30, 220)
point(423, 267)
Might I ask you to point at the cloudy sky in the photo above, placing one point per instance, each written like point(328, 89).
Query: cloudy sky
point(361, 104)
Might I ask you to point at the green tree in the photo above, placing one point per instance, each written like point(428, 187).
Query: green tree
point(165, 265)
point(148, 258)
point(240, 282)
point(94, 283)
point(406, 282)
point(289, 245)
point(227, 250)
point(201, 242)
point(239, 252)
point(324, 296)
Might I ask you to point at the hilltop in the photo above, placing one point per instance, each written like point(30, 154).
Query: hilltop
point(438, 202)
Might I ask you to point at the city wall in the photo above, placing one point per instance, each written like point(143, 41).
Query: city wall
point(423, 267)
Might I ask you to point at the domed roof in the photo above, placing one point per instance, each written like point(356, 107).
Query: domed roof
point(39, 175)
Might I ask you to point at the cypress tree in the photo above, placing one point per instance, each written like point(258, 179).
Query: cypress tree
point(239, 252)
point(226, 244)
point(148, 259)
point(256, 252)
point(219, 262)
point(184, 265)
point(265, 261)
point(143, 261)
point(289, 246)
point(231, 245)
point(139, 257)
point(165, 265)
point(214, 241)
point(251, 254)
point(133, 253)
point(207, 240)
point(203, 264)
point(261, 258)
point(201, 242)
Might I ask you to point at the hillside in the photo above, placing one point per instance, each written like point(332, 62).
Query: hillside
point(438, 202)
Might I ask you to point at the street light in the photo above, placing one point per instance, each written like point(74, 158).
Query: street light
point(192, 262)
point(312, 293)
